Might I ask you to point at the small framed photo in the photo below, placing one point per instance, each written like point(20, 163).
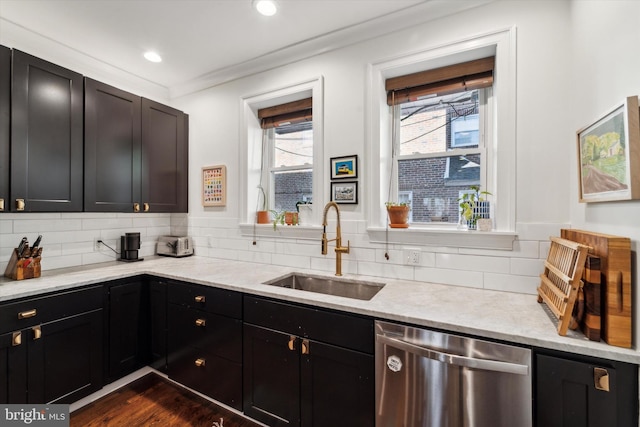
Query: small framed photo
point(214, 185)
point(345, 192)
point(609, 155)
point(344, 167)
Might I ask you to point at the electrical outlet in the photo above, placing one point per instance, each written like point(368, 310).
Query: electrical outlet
point(97, 244)
point(411, 256)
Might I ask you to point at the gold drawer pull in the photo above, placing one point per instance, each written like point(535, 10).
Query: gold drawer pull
point(601, 379)
point(27, 314)
point(292, 342)
point(16, 339)
point(200, 362)
point(305, 346)
point(200, 298)
point(19, 204)
point(37, 332)
point(146, 207)
point(201, 322)
point(136, 207)
point(1, 204)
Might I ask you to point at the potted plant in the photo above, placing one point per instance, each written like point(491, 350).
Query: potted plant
point(474, 206)
point(262, 216)
point(284, 217)
point(398, 214)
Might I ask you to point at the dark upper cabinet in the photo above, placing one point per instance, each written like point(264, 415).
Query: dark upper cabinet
point(46, 136)
point(5, 124)
point(165, 158)
point(113, 138)
point(136, 153)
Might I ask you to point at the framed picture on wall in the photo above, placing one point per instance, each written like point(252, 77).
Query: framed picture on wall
point(214, 185)
point(609, 155)
point(344, 167)
point(345, 192)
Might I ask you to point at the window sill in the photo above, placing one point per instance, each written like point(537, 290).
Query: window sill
point(500, 240)
point(305, 232)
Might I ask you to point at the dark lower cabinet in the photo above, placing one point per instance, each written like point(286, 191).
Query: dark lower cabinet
point(205, 340)
point(158, 324)
point(305, 366)
point(51, 347)
point(575, 391)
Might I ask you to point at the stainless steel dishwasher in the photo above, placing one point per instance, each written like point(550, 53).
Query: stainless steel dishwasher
point(433, 379)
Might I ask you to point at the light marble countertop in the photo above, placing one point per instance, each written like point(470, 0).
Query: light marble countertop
point(505, 316)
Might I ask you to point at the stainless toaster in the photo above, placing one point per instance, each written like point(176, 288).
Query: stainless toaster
point(174, 246)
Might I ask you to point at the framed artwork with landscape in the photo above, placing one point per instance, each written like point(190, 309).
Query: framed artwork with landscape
point(345, 192)
point(609, 155)
point(344, 167)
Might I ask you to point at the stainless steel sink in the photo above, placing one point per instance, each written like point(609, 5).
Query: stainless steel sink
point(356, 289)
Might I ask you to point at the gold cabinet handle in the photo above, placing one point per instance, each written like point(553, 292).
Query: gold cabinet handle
point(200, 362)
point(27, 314)
point(136, 207)
point(37, 332)
point(19, 204)
point(292, 342)
point(200, 298)
point(146, 207)
point(601, 379)
point(201, 322)
point(16, 339)
point(1, 204)
point(305, 346)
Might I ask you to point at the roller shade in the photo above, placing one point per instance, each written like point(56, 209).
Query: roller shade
point(470, 75)
point(291, 112)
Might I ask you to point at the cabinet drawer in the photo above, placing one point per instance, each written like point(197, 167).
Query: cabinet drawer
point(212, 300)
point(220, 335)
point(341, 329)
point(33, 311)
point(214, 376)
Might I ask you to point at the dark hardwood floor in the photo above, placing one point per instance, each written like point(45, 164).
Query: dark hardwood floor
point(154, 401)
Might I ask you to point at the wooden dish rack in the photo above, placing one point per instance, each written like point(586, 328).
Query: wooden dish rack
point(561, 280)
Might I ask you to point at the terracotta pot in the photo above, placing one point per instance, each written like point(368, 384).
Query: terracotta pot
point(262, 217)
point(398, 216)
point(291, 218)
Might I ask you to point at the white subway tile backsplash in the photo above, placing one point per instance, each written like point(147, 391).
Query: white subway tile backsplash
point(526, 267)
point(472, 279)
point(472, 262)
point(511, 283)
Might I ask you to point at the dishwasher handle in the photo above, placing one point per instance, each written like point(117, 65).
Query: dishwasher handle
point(454, 359)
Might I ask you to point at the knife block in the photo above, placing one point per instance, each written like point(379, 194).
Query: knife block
point(23, 268)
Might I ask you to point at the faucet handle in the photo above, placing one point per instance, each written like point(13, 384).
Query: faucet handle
point(324, 243)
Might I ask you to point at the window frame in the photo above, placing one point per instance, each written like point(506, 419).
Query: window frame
point(250, 154)
point(501, 141)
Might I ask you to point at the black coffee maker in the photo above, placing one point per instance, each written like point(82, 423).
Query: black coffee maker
point(129, 245)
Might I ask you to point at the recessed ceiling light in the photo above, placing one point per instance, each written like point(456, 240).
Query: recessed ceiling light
point(266, 7)
point(152, 56)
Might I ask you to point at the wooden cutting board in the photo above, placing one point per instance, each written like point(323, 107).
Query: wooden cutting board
point(615, 266)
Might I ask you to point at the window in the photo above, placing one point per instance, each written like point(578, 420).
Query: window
point(465, 136)
point(288, 132)
point(439, 149)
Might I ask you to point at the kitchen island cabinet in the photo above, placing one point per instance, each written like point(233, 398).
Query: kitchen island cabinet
point(205, 340)
point(46, 136)
point(307, 367)
point(51, 347)
point(579, 391)
point(5, 124)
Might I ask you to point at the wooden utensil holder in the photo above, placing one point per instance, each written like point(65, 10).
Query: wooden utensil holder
point(23, 268)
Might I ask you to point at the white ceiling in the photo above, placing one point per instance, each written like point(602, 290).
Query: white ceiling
point(211, 39)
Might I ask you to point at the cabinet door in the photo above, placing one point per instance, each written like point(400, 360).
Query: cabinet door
point(13, 368)
point(65, 358)
point(158, 324)
point(164, 158)
point(112, 135)
point(46, 136)
point(271, 376)
point(127, 342)
point(337, 386)
point(566, 394)
point(5, 123)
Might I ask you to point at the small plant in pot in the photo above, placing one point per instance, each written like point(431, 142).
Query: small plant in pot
point(398, 214)
point(473, 207)
point(284, 217)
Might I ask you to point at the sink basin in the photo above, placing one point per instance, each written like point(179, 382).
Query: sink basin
point(356, 289)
